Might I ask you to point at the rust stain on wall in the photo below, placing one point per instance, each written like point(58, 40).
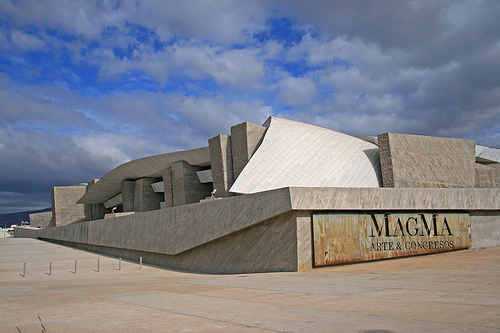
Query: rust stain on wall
point(346, 238)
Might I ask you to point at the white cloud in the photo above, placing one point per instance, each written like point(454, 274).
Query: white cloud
point(209, 116)
point(25, 41)
point(296, 91)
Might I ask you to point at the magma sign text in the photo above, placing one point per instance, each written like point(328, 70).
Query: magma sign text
point(348, 237)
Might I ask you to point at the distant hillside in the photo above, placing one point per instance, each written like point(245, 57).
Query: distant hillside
point(6, 220)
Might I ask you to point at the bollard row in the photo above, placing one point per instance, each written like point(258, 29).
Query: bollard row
point(76, 264)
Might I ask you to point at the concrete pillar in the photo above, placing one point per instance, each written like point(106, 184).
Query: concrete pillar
point(167, 182)
point(128, 193)
point(186, 185)
point(222, 164)
point(304, 241)
point(145, 198)
point(94, 211)
point(245, 139)
point(385, 160)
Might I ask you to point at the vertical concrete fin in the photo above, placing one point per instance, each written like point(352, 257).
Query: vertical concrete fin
point(245, 139)
point(222, 164)
point(128, 193)
point(95, 211)
point(167, 183)
point(385, 160)
point(187, 188)
point(145, 198)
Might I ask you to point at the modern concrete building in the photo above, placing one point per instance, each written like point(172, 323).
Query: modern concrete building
point(289, 196)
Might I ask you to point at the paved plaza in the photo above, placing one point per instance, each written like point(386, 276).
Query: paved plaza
point(449, 292)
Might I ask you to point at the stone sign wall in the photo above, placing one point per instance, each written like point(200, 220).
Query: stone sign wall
point(348, 237)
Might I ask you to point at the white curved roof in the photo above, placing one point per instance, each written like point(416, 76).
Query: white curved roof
point(295, 154)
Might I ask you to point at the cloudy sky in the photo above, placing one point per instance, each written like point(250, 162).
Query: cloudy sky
point(88, 85)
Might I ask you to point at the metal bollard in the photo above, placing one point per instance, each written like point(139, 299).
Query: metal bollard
point(120, 264)
point(140, 262)
point(75, 266)
point(50, 268)
point(24, 270)
point(97, 265)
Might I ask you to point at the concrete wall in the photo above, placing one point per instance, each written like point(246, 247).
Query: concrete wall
point(26, 232)
point(418, 161)
point(128, 195)
point(485, 228)
point(186, 186)
point(487, 176)
point(267, 231)
point(145, 198)
point(222, 164)
point(40, 220)
point(167, 184)
point(267, 247)
point(65, 210)
point(94, 211)
point(245, 139)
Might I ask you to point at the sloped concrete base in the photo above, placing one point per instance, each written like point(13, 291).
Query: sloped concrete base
point(263, 232)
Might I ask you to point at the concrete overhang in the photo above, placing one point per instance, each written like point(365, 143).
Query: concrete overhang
point(110, 184)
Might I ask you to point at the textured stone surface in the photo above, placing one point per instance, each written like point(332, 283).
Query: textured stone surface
point(94, 211)
point(168, 195)
point(26, 232)
point(40, 220)
point(222, 165)
point(485, 229)
point(423, 161)
point(65, 210)
point(270, 246)
point(304, 241)
point(128, 195)
point(177, 229)
point(467, 199)
point(245, 139)
point(145, 198)
point(487, 176)
point(186, 186)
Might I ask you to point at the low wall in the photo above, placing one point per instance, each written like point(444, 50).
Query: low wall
point(26, 232)
point(263, 232)
point(485, 228)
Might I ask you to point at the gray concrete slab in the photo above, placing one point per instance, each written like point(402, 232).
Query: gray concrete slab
point(458, 291)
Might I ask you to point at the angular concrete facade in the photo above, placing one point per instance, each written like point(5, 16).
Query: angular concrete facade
point(222, 164)
point(424, 161)
point(66, 210)
point(246, 138)
point(393, 194)
point(40, 220)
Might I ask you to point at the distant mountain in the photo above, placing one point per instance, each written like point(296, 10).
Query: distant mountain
point(6, 220)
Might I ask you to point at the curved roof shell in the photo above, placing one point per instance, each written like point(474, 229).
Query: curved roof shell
point(153, 166)
point(295, 154)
